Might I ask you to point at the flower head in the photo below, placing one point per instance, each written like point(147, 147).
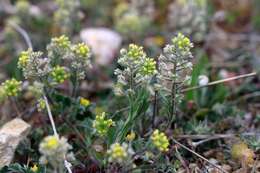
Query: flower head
point(51, 143)
point(81, 50)
point(12, 87)
point(53, 149)
point(62, 41)
point(33, 64)
point(84, 102)
point(160, 140)
point(102, 125)
point(148, 67)
point(23, 59)
point(80, 60)
point(59, 74)
point(181, 42)
point(135, 52)
point(41, 104)
point(137, 71)
point(117, 153)
point(242, 153)
point(174, 65)
point(130, 136)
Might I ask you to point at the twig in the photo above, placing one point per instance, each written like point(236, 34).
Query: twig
point(23, 34)
point(220, 81)
point(195, 144)
point(215, 82)
point(214, 135)
point(200, 156)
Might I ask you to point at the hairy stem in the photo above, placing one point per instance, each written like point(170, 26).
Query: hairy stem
point(50, 116)
point(66, 163)
point(173, 112)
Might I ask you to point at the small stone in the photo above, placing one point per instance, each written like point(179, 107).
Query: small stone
point(104, 43)
point(10, 136)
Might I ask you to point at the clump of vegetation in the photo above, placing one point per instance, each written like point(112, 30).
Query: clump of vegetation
point(172, 100)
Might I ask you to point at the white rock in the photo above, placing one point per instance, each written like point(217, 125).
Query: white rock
point(104, 43)
point(10, 136)
point(203, 80)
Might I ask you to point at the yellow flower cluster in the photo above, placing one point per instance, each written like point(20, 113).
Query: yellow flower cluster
point(84, 102)
point(12, 87)
point(23, 59)
point(148, 67)
point(81, 50)
point(135, 52)
point(182, 42)
point(53, 150)
point(117, 152)
point(51, 142)
point(130, 136)
point(102, 125)
point(241, 152)
point(59, 74)
point(62, 41)
point(160, 140)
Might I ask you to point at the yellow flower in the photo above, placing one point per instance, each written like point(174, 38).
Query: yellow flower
point(34, 168)
point(52, 142)
point(241, 152)
point(62, 41)
point(160, 140)
point(59, 74)
point(23, 59)
point(12, 87)
point(84, 102)
point(81, 50)
point(148, 67)
point(135, 52)
point(182, 42)
point(41, 104)
point(130, 136)
point(102, 125)
point(117, 152)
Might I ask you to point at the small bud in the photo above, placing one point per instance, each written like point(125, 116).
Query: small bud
point(12, 87)
point(59, 74)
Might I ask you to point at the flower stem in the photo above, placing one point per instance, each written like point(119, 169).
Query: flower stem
point(50, 116)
